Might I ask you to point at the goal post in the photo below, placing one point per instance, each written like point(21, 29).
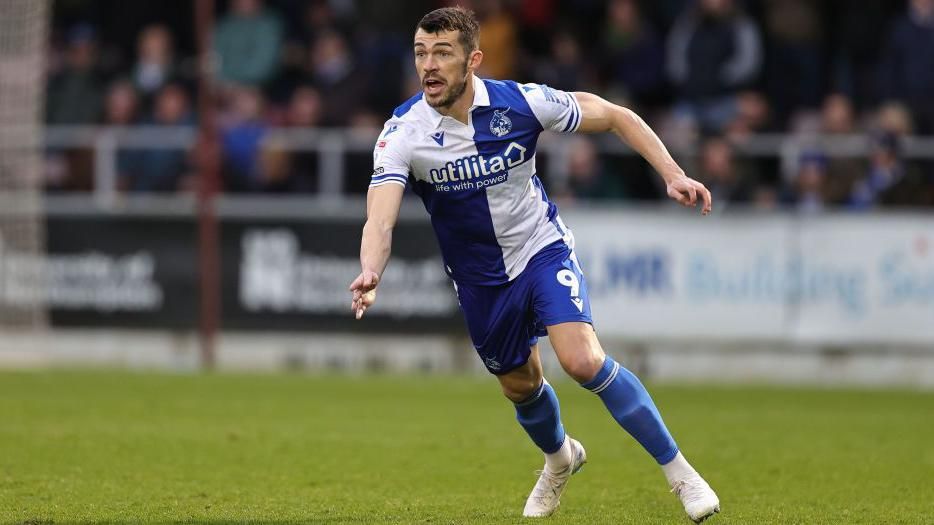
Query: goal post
point(23, 37)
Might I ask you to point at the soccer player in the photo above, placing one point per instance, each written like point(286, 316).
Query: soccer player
point(466, 146)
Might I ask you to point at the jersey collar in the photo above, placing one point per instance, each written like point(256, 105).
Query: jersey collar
point(481, 97)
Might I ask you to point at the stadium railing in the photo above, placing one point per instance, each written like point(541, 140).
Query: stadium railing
point(333, 144)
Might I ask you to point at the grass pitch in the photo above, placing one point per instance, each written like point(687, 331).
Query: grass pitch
point(116, 447)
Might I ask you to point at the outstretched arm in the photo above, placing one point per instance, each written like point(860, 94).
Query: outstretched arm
point(599, 115)
point(382, 210)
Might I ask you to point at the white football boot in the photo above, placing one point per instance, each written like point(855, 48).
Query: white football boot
point(546, 494)
point(699, 500)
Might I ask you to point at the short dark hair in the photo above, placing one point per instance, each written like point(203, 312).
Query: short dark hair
point(454, 19)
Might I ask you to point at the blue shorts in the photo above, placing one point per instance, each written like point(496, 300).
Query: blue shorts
point(505, 321)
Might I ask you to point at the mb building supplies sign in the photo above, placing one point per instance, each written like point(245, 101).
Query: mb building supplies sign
point(833, 279)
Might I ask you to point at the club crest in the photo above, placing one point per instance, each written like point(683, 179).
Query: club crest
point(500, 124)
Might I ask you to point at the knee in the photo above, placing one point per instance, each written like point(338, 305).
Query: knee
point(582, 366)
point(578, 350)
point(519, 390)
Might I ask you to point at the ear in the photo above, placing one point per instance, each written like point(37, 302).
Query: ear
point(474, 60)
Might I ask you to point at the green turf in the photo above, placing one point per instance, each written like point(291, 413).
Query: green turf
point(112, 447)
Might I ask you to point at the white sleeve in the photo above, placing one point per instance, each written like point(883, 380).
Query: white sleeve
point(390, 156)
point(555, 109)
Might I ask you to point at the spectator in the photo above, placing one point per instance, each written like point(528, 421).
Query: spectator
point(793, 75)
point(120, 109)
point(765, 197)
point(856, 37)
point(337, 77)
point(718, 171)
point(838, 119)
point(74, 94)
point(160, 169)
point(893, 117)
point(635, 54)
point(536, 24)
point(564, 69)
point(247, 42)
point(365, 127)
point(305, 111)
point(753, 114)
point(889, 182)
point(908, 64)
point(587, 178)
point(310, 20)
point(837, 115)
point(805, 194)
point(306, 23)
point(154, 60)
point(498, 33)
point(172, 107)
point(241, 138)
point(275, 168)
point(305, 108)
point(122, 104)
point(667, 12)
point(714, 51)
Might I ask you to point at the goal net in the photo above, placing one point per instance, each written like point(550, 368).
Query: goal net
point(23, 26)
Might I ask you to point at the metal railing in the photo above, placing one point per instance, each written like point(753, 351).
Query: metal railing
point(333, 144)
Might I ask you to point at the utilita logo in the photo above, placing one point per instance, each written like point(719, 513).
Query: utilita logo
point(478, 166)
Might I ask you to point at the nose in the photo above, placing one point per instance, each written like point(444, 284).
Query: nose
point(429, 64)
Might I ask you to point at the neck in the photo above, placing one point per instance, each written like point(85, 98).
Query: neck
point(459, 109)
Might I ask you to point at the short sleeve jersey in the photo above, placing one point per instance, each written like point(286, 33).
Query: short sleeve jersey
point(478, 180)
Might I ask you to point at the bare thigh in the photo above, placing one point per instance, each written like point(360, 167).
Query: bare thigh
point(577, 349)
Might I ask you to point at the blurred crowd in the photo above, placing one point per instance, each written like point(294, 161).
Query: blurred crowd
point(706, 74)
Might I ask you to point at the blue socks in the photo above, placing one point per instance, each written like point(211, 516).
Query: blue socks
point(632, 407)
point(540, 416)
point(624, 396)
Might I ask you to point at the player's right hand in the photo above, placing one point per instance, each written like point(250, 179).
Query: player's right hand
point(364, 292)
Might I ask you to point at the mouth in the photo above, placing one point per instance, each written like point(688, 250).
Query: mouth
point(433, 86)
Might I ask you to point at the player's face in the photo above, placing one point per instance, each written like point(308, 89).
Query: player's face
point(441, 62)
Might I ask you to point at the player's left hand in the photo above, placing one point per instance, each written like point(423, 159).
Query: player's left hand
point(687, 191)
point(364, 292)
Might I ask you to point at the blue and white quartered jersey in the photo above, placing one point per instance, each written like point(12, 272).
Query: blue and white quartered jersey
point(477, 180)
